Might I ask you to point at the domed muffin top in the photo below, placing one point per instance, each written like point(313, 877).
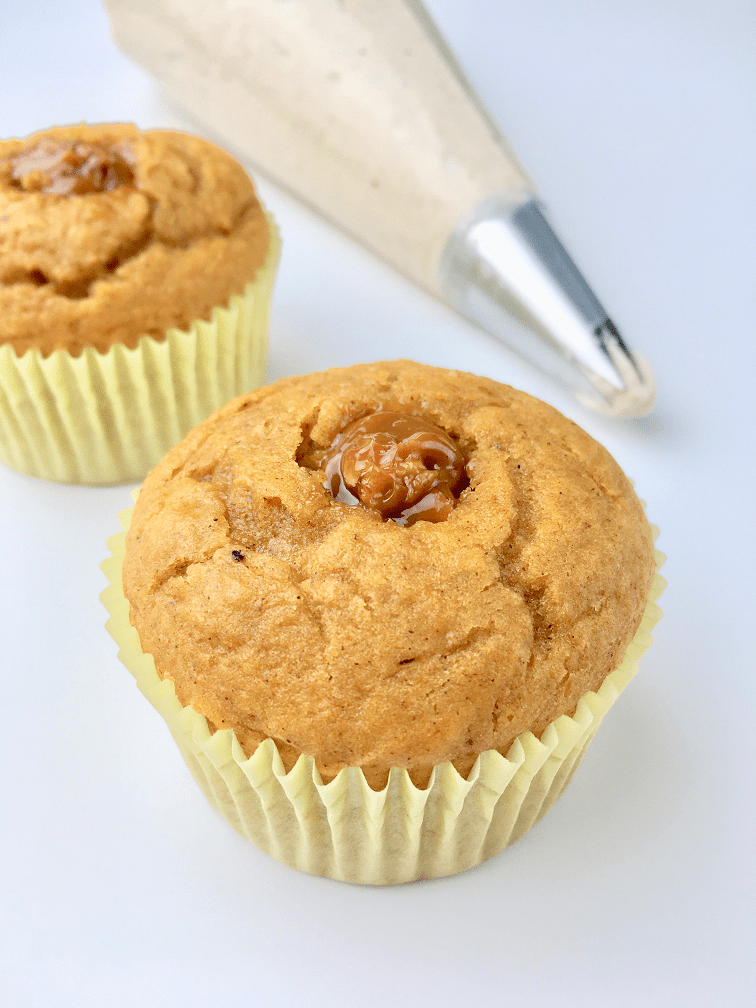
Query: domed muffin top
point(108, 234)
point(281, 607)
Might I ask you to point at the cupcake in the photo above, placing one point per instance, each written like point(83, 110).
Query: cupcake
point(383, 609)
point(135, 275)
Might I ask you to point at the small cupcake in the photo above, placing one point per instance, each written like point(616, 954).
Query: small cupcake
point(135, 276)
point(383, 610)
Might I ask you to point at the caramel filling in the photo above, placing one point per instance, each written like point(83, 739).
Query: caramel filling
point(67, 168)
point(402, 466)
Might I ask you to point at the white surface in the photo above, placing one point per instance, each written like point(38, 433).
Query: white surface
point(123, 888)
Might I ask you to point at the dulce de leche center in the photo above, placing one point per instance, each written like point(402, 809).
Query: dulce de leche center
point(402, 466)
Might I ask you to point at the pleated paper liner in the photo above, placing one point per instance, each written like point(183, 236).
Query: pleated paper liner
point(106, 418)
point(345, 830)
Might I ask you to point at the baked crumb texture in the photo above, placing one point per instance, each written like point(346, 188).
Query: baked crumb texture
point(282, 613)
point(170, 228)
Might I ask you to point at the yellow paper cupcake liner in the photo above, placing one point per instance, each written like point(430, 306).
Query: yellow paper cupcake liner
point(345, 830)
point(106, 418)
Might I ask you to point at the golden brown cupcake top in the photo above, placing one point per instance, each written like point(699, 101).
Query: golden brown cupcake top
point(108, 234)
point(282, 611)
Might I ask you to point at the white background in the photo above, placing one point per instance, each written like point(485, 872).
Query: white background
point(122, 887)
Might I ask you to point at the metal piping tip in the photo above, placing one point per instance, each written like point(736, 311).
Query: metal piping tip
point(506, 260)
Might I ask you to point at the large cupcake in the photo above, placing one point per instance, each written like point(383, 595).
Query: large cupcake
point(135, 276)
point(387, 606)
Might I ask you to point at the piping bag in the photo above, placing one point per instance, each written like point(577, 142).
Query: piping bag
point(359, 108)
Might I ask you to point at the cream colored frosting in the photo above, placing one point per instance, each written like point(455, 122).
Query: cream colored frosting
point(354, 105)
